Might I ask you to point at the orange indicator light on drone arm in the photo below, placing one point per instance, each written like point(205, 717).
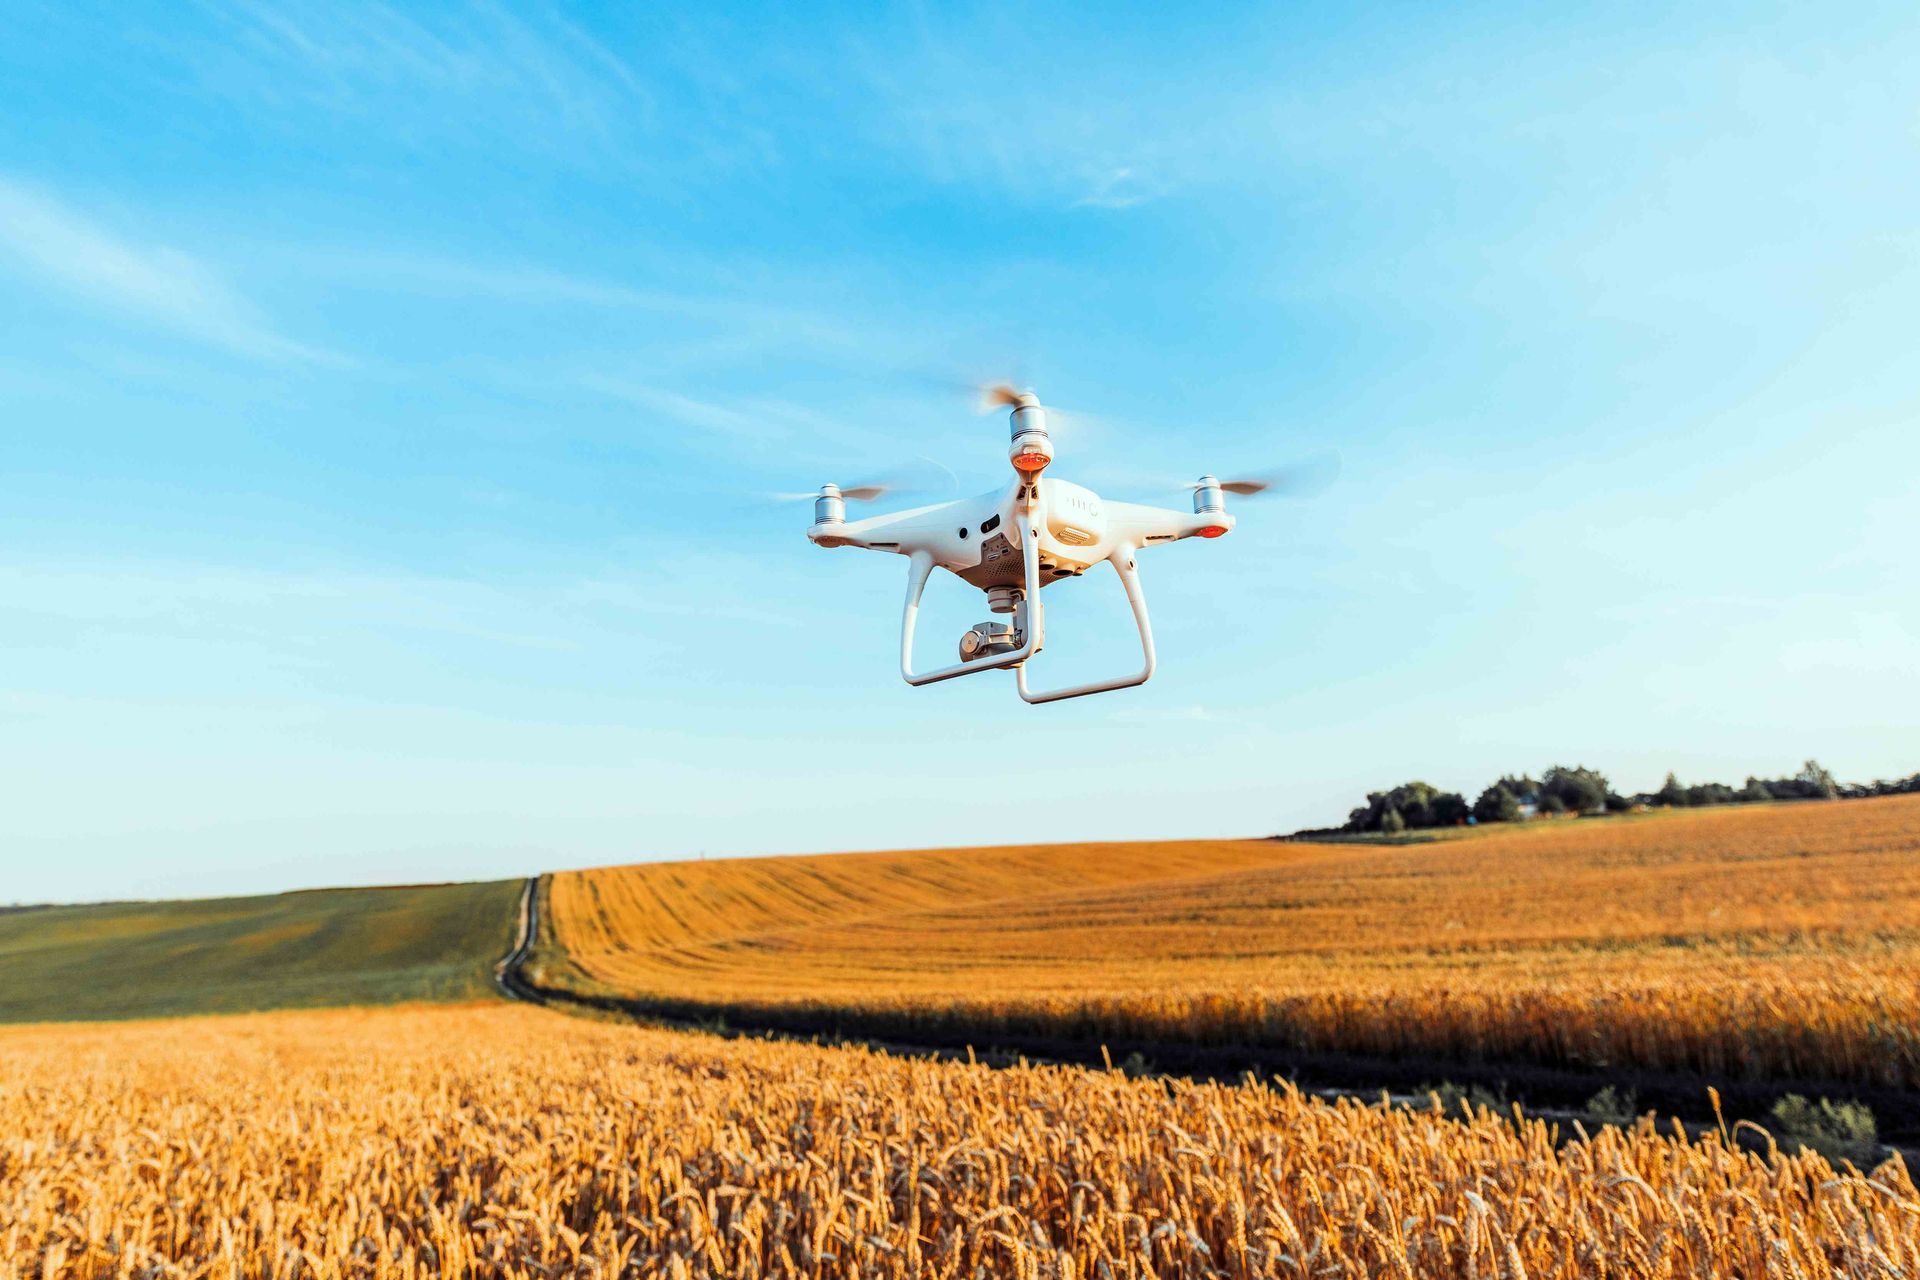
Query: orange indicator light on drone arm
point(1211, 531)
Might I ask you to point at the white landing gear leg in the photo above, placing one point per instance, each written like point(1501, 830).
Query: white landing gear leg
point(1122, 562)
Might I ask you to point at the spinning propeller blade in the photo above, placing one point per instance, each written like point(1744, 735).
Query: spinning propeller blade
point(1296, 480)
point(852, 493)
point(1001, 395)
point(1070, 426)
point(922, 475)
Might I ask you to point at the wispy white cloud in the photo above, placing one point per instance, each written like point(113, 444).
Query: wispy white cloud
point(352, 57)
point(709, 324)
point(1098, 136)
point(1119, 188)
point(74, 255)
point(424, 273)
point(683, 592)
point(813, 435)
point(308, 616)
point(685, 95)
point(683, 409)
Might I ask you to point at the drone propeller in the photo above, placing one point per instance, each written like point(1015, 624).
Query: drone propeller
point(1002, 395)
point(1071, 426)
point(852, 493)
point(920, 475)
point(1297, 480)
point(1245, 488)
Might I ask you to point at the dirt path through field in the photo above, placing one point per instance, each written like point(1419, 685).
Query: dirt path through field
point(526, 927)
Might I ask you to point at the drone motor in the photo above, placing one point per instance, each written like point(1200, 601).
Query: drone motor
point(830, 507)
point(1031, 448)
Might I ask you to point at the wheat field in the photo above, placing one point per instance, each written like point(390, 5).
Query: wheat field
point(1759, 942)
point(509, 1141)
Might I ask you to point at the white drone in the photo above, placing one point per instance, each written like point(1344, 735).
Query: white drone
point(1012, 542)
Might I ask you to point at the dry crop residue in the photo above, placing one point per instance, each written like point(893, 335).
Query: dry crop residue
point(510, 1141)
point(1767, 941)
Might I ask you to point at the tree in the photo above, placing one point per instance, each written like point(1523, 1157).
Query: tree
point(1817, 781)
point(1672, 793)
point(1496, 804)
point(1416, 804)
point(1579, 789)
point(1501, 802)
point(1755, 792)
point(1703, 793)
point(1392, 823)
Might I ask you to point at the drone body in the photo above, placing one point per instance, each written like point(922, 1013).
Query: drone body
point(1014, 542)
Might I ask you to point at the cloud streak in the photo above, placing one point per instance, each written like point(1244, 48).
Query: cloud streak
point(685, 410)
point(159, 285)
point(1119, 188)
point(308, 618)
point(538, 75)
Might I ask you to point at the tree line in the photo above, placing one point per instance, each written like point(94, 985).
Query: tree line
point(1580, 790)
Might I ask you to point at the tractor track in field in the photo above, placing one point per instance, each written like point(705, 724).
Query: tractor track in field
point(1546, 1093)
point(507, 973)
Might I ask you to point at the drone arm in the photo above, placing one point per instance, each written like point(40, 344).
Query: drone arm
point(1153, 526)
point(1123, 565)
point(920, 567)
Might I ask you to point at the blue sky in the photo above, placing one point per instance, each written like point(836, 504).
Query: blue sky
point(385, 395)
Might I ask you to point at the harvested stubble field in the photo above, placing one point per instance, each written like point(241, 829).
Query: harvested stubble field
point(510, 1141)
point(1771, 943)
